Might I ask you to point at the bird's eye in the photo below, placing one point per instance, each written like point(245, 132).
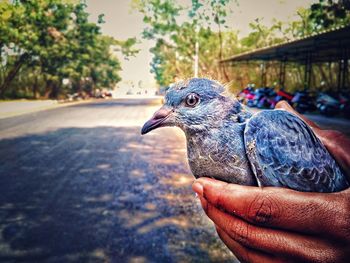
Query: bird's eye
point(192, 99)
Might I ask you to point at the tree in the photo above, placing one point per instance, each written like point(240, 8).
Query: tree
point(55, 39)
point(175, 30)
point(175, 41)
point(207, 12)
point(331, 13)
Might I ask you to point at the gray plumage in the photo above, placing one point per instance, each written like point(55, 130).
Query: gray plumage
point(227, 142)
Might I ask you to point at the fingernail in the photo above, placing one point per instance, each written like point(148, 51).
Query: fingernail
point(198, 188)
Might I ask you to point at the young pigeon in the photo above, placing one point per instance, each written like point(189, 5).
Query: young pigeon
point(228, 143)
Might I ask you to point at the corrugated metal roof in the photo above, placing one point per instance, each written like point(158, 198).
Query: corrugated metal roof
point(326, 46)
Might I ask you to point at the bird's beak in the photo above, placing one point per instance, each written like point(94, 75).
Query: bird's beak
point(158, 120)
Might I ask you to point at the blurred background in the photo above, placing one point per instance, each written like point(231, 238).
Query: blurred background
point(78, 79)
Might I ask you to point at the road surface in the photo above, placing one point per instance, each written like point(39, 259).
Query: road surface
point(79, 184)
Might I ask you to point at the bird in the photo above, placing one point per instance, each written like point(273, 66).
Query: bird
point(227, 142)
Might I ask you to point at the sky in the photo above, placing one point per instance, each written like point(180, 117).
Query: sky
point(123, 23)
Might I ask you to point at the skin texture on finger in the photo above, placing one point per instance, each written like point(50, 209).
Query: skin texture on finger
point(339, 146)
point(243, 253)
point(336, 142)
point(276, 242)
point(280, 208)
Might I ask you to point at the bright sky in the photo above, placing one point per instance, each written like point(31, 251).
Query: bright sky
point(123, 23)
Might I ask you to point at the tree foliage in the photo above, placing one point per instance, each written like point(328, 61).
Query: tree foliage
point(330, 13)
point(44, 42)
point(175, 30)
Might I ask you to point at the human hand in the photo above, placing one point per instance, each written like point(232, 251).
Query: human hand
point(273, 224)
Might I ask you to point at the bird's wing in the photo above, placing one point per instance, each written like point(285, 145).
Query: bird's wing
point(284, 151)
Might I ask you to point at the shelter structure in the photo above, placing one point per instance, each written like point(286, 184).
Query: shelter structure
point(327, 46)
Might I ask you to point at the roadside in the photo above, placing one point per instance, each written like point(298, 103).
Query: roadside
point(20, 107)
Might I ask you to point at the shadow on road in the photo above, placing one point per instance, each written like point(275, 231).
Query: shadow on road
point(100, 194)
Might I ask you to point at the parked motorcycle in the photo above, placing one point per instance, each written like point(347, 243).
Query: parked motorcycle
point(344, 99)
point(284, 95)
point(246, 93)
point(250, 99)
point(247, 96)
point(303, 102)
point(266, 98)
point(278, 96)
point(327, 104)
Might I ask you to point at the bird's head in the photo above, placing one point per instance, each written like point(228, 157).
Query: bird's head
point(191, 105)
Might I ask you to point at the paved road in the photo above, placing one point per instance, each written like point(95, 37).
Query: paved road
point(79, 184)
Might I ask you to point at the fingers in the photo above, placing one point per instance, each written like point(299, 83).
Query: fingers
point(285, 106)
point(243, 253)
point(339, 146)
point(278, 207)
point(273, 241)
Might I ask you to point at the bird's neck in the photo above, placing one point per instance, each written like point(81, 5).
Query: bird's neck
point(237, 114)
point(219, 152)
point(229, 113)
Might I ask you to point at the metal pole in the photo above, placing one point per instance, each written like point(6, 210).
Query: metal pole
point(196, 56)
point(307, 73)
point(196, 60)
point(310, 72)
point(340, 70)
point(282, 75)
point(344, 69)
point(263, 74)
